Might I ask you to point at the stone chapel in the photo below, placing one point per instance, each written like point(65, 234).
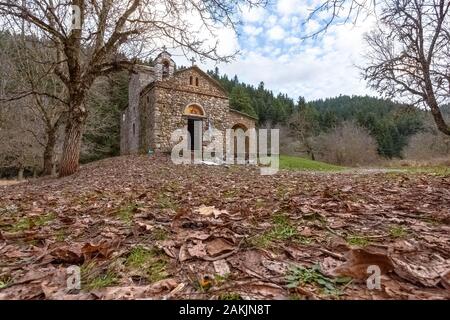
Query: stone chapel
point(163, 99)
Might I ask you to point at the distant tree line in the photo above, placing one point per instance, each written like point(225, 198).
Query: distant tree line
point(390, 123)
point(270, 109)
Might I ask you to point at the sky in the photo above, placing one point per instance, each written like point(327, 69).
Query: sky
point(272, 51)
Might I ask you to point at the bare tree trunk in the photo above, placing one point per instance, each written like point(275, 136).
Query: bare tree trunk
point(72, 142)
point(49, 151)
point(20, 173)
point(437, 116)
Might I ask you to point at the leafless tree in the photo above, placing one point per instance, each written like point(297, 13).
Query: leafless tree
point(409, 56)
point(332, 12)
point(19, 147)
point(302, 127)
point(347, 144)
point(108, 36)
point(28, 84)
point(429, 144)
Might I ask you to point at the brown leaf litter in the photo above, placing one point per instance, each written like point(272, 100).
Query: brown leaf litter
point(142, 228)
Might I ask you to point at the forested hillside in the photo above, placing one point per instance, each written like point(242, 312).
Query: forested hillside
point(391, 124)
point(331, 130)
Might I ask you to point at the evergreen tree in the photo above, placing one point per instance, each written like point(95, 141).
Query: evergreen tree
point(240, 101)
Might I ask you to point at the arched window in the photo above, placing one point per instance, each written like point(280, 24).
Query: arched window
point(196, 82)
point(134, 129)
point(123, 117)
point(191, 80)
point(165, 69)
point(194, 110)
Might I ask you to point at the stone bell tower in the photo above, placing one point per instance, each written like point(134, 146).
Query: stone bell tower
point(141, 76)
point(164, 66)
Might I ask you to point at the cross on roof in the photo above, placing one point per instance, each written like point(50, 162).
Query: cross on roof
point(193, 60)
point(164, 48)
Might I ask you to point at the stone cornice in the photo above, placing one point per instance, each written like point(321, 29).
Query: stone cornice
point(160, 85)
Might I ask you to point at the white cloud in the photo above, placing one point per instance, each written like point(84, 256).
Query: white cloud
point(292, 41)
point(313, 68)
point(252, 30)
point(299, 8)
point(287, 7)
point(227, 41)
point(285, 21)
point(271, 21)
point(253, 14)
point(276, 33)
point(312, 26)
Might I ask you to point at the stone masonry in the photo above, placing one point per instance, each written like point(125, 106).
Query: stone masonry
point(159, 98)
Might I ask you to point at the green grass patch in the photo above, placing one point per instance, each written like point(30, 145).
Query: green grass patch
point(441, 171)
point(28, 223)
point(230, 296)
point(160, 234)
point(398, 231)
point(165, 201)
point(61, 235)
point(357, 240)
point(220, 279)
point(126, 212)
point(303, 240)
point(300, 276)
point(5, 281)
point(297, 163)
point(433, 222)
point(282, 230)
point(150, 264)
point(101, 281)
point(93, 277)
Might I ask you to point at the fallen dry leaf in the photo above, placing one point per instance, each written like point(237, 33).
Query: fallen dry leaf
point(136, 292)
point(211, 210)
point(221, 267)
point(207, 220)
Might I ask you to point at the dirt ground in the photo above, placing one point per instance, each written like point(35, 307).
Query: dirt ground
point(141, 227)
point(8, 182)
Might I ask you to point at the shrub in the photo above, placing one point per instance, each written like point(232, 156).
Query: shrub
point(347, 144)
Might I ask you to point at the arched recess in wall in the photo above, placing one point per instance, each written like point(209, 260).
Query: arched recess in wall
point(194, 109)
point(240, 130)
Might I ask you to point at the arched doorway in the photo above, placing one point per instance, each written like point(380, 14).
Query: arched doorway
point(241, 142)
point(195, 115)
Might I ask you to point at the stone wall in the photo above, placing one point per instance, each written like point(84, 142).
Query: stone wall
point(238, 118)
point(182, 81)
point(169, 113)
point(131, 121)
point(147, 122)
point(159, 108)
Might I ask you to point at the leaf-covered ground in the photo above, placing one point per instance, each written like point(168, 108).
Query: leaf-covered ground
point(141, 227)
